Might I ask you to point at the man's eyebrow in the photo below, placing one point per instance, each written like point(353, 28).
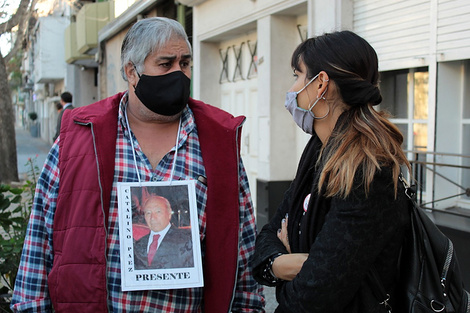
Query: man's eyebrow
point(169, 57)
point(173, 57)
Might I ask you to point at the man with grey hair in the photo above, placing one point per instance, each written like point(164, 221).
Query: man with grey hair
point(153, 132)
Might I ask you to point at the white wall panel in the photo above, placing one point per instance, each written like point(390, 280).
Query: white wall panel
point(240, 97)
point(412, 33)
point(398, 30)
point(48, 50)
point(453, 29)
point(223, 17)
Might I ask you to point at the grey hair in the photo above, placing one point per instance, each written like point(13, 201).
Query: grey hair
point(147, 36)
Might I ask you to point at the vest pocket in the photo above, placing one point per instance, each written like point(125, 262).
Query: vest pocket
point(89, 287)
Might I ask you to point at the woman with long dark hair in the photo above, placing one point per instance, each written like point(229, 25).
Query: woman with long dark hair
point(345, 212)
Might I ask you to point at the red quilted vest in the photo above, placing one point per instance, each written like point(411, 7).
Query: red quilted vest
point(86, 178)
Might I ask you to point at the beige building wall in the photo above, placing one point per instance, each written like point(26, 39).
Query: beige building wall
point(406, 35)
point(112, 82)
point(271, 142)
point(110, 38)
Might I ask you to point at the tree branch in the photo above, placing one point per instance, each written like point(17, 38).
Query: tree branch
point(21, 33)
point(16, 18)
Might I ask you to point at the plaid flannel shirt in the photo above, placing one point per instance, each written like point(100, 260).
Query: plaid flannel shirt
point(31, 291)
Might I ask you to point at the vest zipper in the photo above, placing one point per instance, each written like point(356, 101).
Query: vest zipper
point(102, 209)
point(237, 140)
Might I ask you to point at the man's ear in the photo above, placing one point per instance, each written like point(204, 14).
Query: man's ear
point(323, 81)
point(131, 74)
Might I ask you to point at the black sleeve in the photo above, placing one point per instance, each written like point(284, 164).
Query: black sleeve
point(267, 243)
point(355, 231)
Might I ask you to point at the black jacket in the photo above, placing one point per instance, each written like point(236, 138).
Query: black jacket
point(59, 121)
point(344, 238)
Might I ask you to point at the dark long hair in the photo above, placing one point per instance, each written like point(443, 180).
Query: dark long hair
point(363, 138)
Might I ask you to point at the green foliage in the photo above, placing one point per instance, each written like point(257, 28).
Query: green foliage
point(15, 76)
point(33, 116)
point(15, 208)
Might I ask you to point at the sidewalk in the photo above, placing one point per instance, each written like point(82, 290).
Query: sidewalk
point(270, 295)
point(27, 147)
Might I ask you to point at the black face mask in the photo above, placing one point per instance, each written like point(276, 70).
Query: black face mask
point(164, 94)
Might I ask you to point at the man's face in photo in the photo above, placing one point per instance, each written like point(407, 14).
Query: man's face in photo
point(157, 212)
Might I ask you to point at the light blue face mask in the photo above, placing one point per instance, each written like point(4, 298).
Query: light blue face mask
point(303, 118)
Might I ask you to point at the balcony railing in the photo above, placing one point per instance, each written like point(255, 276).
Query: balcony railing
point(421, 167)
point(451, 176)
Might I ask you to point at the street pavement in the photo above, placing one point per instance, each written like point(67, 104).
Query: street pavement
point(271, 303)
point(28, 146)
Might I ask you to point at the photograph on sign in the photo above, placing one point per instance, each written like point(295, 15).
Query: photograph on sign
point(159, 236)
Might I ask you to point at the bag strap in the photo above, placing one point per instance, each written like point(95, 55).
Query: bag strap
point(410, 191)
point(379, 292)
point(373, 275)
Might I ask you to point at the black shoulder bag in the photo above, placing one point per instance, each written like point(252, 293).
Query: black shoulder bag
point(430, 278)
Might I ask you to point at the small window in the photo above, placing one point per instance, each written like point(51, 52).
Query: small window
point(405, 97)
